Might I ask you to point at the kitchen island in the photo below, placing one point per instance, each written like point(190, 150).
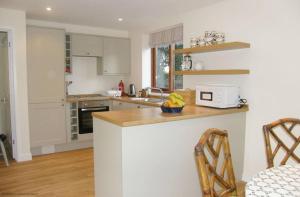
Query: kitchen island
point(146, 153)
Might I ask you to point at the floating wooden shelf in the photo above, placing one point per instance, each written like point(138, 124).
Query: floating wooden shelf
point(213, 72)
point(213, 48)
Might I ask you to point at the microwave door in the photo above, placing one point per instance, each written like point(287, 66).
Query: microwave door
point(206, 96)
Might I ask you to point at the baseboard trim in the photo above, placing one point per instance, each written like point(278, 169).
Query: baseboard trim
point(24, 157)
point(64, 147)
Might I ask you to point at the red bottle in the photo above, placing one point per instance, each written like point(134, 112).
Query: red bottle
point(121, 87)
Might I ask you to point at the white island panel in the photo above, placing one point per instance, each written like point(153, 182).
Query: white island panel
point(158, 159)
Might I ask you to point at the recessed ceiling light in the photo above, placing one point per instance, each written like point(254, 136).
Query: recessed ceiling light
point(49, 9)
point(120, 19)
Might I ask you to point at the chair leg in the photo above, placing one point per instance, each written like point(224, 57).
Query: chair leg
point(4, 153)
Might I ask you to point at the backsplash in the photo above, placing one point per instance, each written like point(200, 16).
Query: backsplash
point(85, 79)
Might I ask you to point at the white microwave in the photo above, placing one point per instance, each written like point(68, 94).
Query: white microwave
point(218, 95)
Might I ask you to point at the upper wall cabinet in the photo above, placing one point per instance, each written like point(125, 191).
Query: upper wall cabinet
point(116, 56)
point(86, 45)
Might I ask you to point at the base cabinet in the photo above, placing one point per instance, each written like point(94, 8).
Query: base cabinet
point(47, 124)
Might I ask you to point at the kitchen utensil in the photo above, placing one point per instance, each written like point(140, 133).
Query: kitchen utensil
point(132, 90)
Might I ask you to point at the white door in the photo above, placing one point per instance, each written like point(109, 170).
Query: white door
point(5, 122)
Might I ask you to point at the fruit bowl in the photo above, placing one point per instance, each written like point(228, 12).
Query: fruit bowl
point(171, 109)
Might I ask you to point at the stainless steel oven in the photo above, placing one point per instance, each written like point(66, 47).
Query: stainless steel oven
point(85, 110)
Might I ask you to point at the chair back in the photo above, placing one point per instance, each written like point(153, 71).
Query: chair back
point(214, 163)
point(287, 126)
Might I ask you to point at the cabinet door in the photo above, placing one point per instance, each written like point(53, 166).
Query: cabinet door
point(116, 56)
point(45, 63)
point(86, 45)
point(47, 124)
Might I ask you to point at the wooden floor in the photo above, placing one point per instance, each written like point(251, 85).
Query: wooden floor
point(67, 174)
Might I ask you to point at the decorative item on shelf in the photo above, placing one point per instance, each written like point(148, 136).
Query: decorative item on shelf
point(174, 104)
point(186, 63)
point(193, 42)
point(200, 41)
point(209, 37)
point(219, 37)
point(198, 65)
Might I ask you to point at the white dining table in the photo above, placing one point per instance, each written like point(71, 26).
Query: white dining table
point(282, 181)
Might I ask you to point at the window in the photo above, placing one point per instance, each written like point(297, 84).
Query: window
point(163, 68)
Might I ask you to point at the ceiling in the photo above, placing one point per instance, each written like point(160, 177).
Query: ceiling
point(104, 13)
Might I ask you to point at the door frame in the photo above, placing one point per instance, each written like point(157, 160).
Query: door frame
point(11, 89)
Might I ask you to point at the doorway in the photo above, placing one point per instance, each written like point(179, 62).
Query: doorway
point(5, 99)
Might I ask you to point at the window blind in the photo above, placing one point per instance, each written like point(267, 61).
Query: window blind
point(166, 37)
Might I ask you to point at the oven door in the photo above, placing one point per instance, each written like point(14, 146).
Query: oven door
point(86, 119)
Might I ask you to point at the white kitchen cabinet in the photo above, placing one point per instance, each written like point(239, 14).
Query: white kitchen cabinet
point(45, 64)
point(86, 45)
point(116, 56)
point(46, 85)
point(47, 124)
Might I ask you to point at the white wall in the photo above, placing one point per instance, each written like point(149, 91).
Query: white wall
point(140, 60)
point(272, 27)
point(85, 79)
point(15, 21)
point(70, 28)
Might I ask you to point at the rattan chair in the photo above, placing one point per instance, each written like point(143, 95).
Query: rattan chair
point(287, 125)
point(216, 182)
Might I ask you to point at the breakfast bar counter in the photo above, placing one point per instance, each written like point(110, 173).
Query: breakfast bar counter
point(133, 117)
point(144, 152)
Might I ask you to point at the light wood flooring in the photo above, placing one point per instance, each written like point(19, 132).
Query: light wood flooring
point(66, 174)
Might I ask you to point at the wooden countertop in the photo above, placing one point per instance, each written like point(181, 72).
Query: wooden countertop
point(133, 117)
point(72, 99)
point(128, 100)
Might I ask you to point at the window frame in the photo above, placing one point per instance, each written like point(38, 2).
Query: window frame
point(171, 69)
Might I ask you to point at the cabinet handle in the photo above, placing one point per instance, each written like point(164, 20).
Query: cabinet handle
point(62, 104)
point(62, 99)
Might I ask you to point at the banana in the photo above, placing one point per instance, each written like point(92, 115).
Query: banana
point(177, 96)
point(174, 100)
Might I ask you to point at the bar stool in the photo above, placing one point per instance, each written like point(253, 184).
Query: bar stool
point(2, 140)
